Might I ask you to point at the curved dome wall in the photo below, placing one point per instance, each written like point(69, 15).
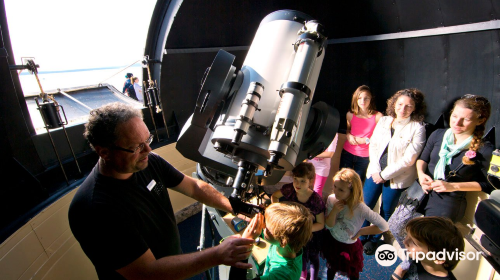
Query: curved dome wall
point(443, 66)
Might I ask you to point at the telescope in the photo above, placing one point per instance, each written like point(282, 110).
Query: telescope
point(252, 125)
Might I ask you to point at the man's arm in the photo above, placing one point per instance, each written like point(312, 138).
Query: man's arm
point(204, 193)
point(230, 252)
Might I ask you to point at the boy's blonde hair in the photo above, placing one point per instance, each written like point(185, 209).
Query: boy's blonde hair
point(438, 234)
point(350, 176)
point(290, 224)
point(304, 169)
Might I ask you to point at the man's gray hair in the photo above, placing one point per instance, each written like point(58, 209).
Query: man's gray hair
point(101, 127)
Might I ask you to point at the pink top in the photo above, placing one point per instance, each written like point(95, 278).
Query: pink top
point(361, 128)
point(322, 165)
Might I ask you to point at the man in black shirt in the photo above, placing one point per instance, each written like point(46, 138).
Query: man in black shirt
point(122, 215)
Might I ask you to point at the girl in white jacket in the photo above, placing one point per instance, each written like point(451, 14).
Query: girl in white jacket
point(395, 146)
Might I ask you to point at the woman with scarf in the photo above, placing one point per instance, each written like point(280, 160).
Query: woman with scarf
point(456, 160)
point(453, 162)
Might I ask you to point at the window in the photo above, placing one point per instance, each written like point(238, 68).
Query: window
point(77, 44)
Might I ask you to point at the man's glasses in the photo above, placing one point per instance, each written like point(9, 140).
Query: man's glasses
point(138, 148)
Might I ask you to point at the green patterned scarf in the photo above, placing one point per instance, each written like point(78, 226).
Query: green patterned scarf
point(448, 150)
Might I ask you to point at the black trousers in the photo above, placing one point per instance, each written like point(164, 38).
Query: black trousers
point(451, 205)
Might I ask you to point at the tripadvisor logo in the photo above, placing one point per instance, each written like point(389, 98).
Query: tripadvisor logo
point(386, 255)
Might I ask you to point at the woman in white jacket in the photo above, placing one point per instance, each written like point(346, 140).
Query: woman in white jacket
point(395, 146)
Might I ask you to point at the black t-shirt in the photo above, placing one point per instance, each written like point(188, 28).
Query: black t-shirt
point(467, 173)
point(424, 275)
point(116, 221)
point(385, 154)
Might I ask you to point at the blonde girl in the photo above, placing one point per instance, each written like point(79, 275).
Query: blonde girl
point(345, 215)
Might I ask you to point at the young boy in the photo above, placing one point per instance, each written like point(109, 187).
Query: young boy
point(301, 191)
point(287, 227)
point(430, 243)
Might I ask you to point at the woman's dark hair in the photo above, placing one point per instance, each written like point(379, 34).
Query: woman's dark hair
point(416, 95)
point(482, 108)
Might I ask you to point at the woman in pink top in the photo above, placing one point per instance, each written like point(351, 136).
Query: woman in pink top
point(361, 121)
point(322, 166)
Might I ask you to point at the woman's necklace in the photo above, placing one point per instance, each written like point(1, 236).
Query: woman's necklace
point(399, 131)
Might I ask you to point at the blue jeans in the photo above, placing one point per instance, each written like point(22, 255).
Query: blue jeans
point(359, 164)
point(390, 197)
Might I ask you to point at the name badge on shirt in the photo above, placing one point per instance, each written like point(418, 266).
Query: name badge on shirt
point(151, 185)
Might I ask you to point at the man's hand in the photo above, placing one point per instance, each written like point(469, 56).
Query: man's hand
point(233, 250)
point(254, 229)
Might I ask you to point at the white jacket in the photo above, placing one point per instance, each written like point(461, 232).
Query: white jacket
point(403, 151)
